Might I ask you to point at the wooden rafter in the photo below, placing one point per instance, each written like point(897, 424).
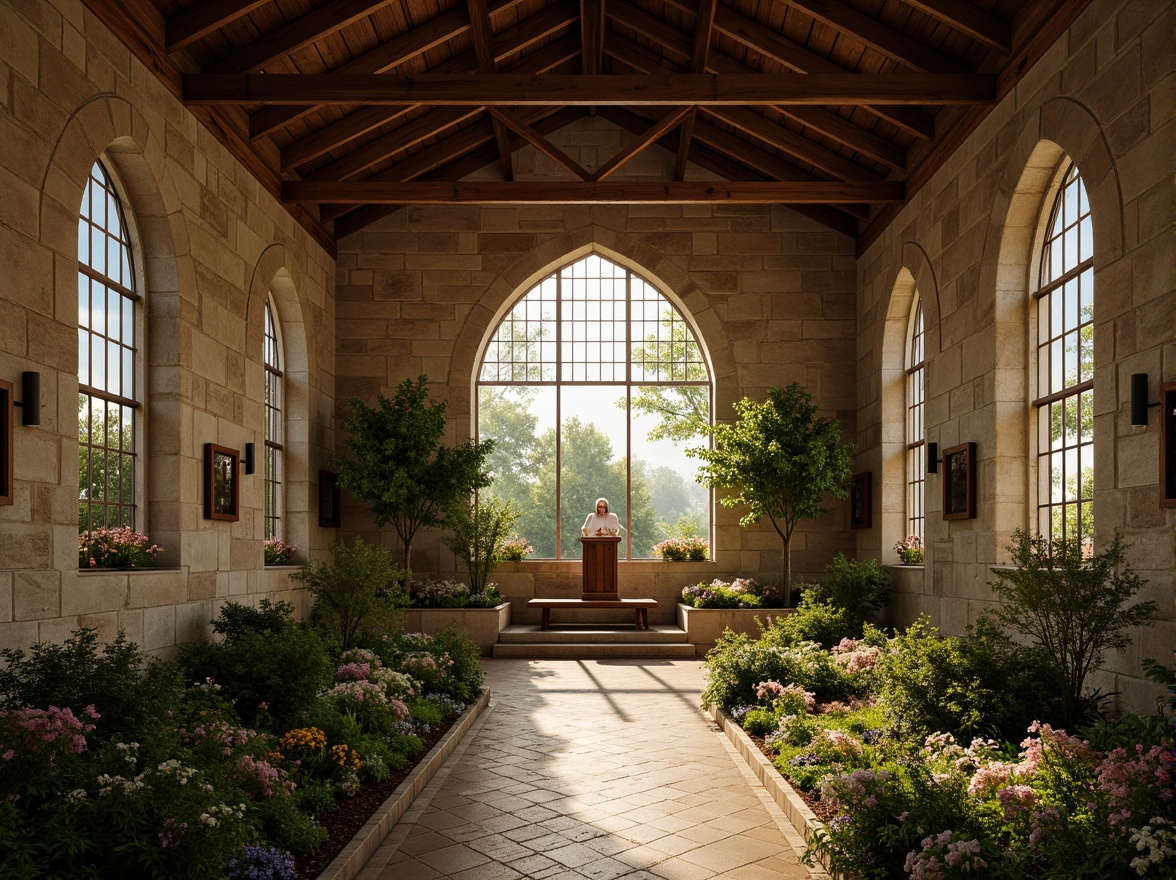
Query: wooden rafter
point(202, 19)
point(643, 140)
point(298, 33)
point(482, 36)
point(962, 16)
point(591, 35)
point(506, 119)
point(591, 193)
point(503, 90)
point(754, 35)
point(703, 25)
point(891, 43)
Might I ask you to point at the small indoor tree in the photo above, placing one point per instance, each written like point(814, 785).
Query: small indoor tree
point(479, 525)
point(401, 466)
point(782, 460)
point(1072, 604)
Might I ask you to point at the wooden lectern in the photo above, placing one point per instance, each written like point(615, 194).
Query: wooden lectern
point(600, 567)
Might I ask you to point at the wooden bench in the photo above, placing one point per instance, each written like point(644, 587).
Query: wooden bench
point(640, 607)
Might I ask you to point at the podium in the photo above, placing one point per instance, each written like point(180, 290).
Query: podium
point(600, 568)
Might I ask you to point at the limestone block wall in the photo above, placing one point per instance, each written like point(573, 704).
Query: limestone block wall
point(1101, 96)
point(771, 293)
point(209, 247)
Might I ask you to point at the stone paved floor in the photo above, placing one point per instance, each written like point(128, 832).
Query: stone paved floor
point(592, 769)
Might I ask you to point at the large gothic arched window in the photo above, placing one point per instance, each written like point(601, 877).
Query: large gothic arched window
point(594, 384)
point(109, 396)
point(1065, 368)
point(275, 425)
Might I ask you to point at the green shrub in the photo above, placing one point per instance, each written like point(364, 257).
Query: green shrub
point(761, 721)
point(284, 670)
point(236, 619)
point(466, 676)
point(812, 621)
point(982, 685)
point(858, 586)
point(1072, 604)
point(737, 664)
point(359, 588)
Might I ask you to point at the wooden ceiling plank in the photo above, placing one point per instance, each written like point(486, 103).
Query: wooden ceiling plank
point(386, 56)
point(793, 55)
point(591, 193)
point(591, 35)
point(436, 121)
point(298, 33)
point(962, 16)
point(199, 21)
point(626, 89)
point(643, 140)
point(540, 143)
point(891, 43)
point(703, 27)
point(482, 37)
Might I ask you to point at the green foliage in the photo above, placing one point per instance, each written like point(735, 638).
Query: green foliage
point(106, 463)
point(812, 621)
point(78, 673)
point(359, 587)
point(983, 685)
point(236, 619)
point(737, 664)
point(480, 524)
point(400, 465)
point(284, 668)
point(760, 721)
point(466, 674)
point(1071, 605)
point(856, 585)
point(781, 460)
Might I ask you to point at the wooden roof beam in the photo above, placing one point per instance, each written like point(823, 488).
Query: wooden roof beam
point(507, 119)
point(666, 91)
point(482, 36)
point(891, 43)
point(590, 193)
point(703, 26)
point(962, 16)
point(591, 36)
point(643, 140)
point(298, 33)
point(200, 20)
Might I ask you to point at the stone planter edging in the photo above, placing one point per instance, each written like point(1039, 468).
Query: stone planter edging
point(482, 625)
point(703, 626)
point(803, 819)
point(350, 861)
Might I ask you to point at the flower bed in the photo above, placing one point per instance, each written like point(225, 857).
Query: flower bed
point(120, 768)
point(847, 725)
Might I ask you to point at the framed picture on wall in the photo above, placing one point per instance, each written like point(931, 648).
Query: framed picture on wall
point(6, 423)
point(221, 483)
point(330, 498)
point(859, 502)
point(959, 481)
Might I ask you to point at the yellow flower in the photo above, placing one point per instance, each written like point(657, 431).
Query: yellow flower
point(304, 738)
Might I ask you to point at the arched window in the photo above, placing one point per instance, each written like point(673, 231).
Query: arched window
point(274, 426)
point(915, 440)
point(593, 385)
point(109, 396)
point(1065, 367)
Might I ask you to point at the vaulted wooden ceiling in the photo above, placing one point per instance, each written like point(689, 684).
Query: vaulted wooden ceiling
point(348, 109)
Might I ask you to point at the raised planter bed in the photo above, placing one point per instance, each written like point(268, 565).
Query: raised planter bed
point(703, 626)
point(482, 625)
point(367, 840)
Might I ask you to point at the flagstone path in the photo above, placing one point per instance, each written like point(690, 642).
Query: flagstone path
point(595, 769)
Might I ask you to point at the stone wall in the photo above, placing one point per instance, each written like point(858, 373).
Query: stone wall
point(771, 292)
point(1101, 96)
point(210, 246)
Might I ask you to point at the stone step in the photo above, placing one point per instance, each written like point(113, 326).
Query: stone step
point(591, 634)
point(593, 651)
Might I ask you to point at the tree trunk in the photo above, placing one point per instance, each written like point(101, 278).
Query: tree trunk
point(787, 570)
